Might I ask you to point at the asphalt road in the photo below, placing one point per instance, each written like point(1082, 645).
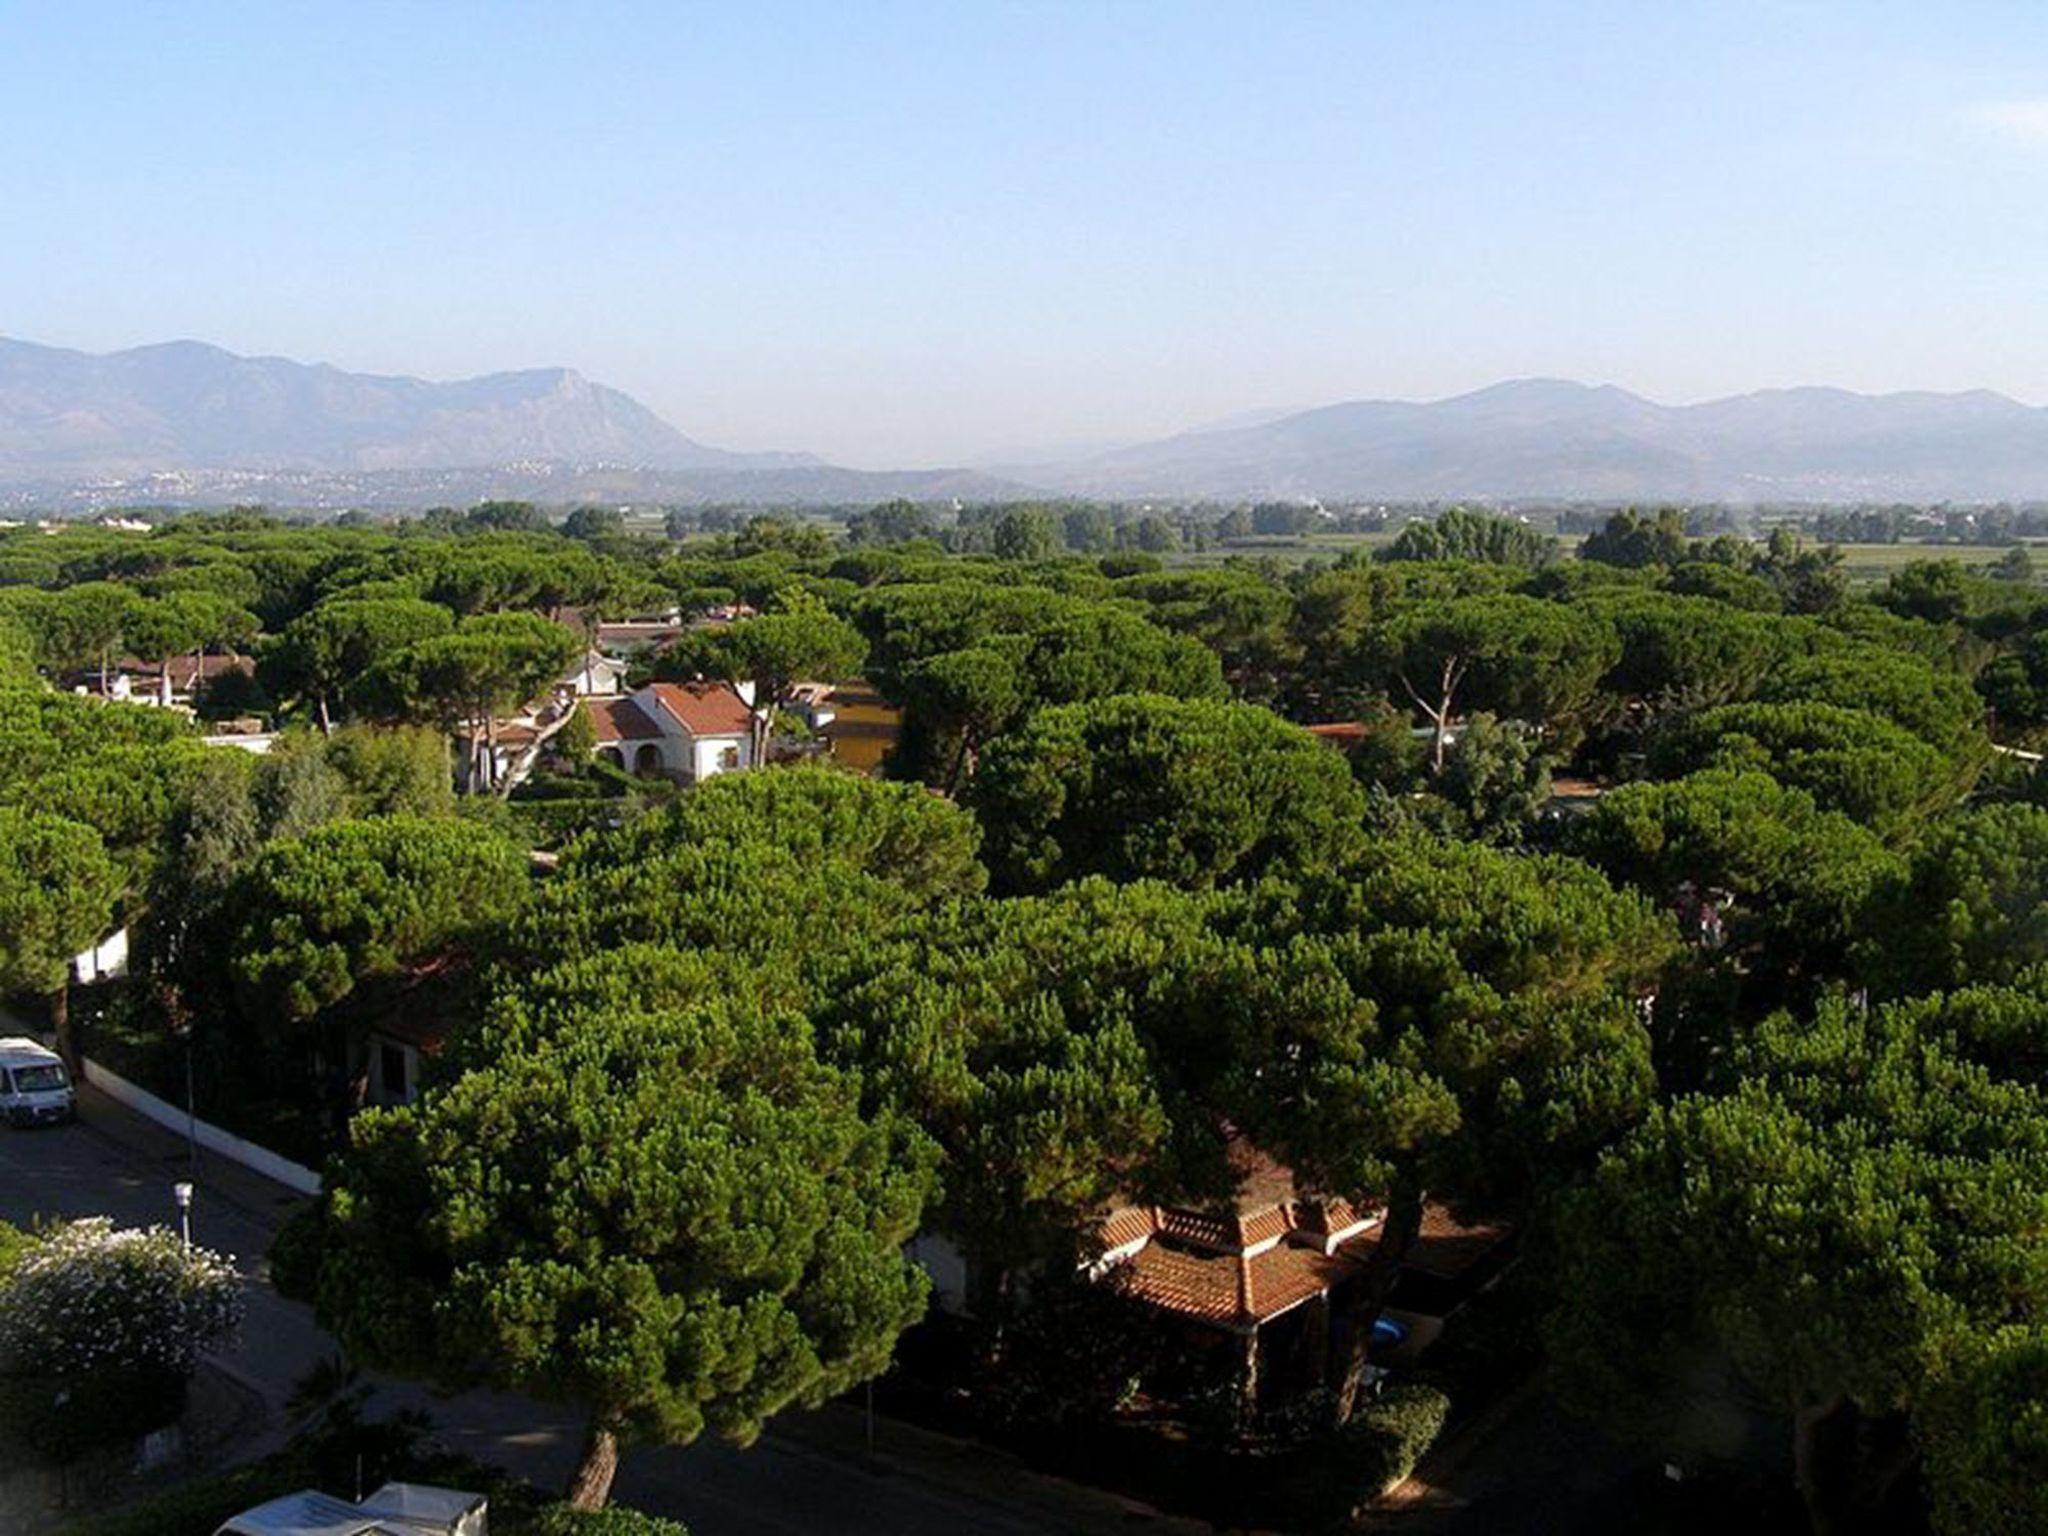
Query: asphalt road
point(810, 1474)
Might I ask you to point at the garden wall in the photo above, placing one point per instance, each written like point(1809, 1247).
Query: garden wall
point(294, 1176)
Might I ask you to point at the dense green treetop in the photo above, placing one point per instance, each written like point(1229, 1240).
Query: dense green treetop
point(1798, 878)
point(663, 1210)
point(1512, 656)
point(1972, 906)
point(319, 913)
point(327, 651)
point(1461, 534)
point(1685, 651)
point(1140, 786)
point(1939, 707)
point(1839, 1222)
point(1634, 539)
point(788, 866)
point(1982, 1426)
point(821, 814)
point(119, 768)
point(57, 894)
point(1054, 648)
point(1724, 584)
point(1877, 773)
point(487, 665)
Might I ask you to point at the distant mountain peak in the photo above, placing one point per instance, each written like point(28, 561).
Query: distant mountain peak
point(187, 405)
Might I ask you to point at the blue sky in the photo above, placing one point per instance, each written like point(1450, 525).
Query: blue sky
point(901, 233)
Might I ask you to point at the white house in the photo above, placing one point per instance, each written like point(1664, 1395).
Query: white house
point(683, 731)
point(175, 682)
point(596, 675)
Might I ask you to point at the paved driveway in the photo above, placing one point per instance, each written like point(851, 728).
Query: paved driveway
point(810, 1474)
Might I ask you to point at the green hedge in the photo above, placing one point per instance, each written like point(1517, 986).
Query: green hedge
point(1319, 1485)
point(1392, 1432)
point(561, 1520)
point(58, 1419)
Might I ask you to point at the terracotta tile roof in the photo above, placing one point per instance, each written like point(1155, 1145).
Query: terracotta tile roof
point(1231, 1289)
point(1340, 733)
point(1128, 1225)
point(1196, 1227)
point(1270, 1249)
point(704, 709)
point(1326, 1216)
point(1446, 1248)
point(637, 635)
point(856, 693)
point(509, 733)
point(416, 1005)
point(1240, 1290)
point(621, 720)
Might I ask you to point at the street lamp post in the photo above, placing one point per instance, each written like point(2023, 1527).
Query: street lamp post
point(181, 1195)
point(191, 1110)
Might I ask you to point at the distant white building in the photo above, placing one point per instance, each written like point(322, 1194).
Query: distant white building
point(596, 675)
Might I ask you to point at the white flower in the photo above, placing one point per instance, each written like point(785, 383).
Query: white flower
point(88, 1296)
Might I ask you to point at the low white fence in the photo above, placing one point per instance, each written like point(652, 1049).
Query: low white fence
point(257, 1159)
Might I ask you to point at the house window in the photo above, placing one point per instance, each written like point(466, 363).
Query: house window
point(729, 757)
point(391, 1074)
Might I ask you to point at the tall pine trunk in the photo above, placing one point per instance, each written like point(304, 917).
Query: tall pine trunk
point(60, 1024)
point(1818, 1480)
point(1370, 1291)
point(590, 1485)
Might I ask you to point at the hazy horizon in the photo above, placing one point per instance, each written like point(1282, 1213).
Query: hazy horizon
point(922, 235)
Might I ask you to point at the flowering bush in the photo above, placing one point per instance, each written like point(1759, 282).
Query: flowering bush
point(86, 1297)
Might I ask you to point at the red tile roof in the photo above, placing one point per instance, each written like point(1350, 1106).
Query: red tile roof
point(1342, 733)
point(1447, 1248)
point(1269, 1249)
point(704, 709)
point(1236, 1290)
point(1128, 1226)
point(1241, 1290)
point(621, 720)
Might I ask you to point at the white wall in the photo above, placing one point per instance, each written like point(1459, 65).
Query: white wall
point(104, 961)
point(710, 753)
point(938, 1258)
point(261, 1160)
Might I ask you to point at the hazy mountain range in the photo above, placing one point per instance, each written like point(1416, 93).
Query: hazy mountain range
point(1533, 438)
point(186, 422)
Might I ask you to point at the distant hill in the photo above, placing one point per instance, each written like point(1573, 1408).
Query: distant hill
point(1550, 438)
point(188, 424)
point(183, 406)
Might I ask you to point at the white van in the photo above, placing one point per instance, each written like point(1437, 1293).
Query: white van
point(34, 1087)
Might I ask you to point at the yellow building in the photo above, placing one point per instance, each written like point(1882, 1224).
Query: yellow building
point(864, 726)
